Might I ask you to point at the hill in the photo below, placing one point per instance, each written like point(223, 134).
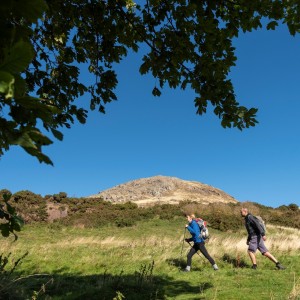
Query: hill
point(163, 190)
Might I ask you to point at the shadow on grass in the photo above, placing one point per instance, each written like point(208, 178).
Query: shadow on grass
point(236, 262)
point(107, 287)
point(180, 263)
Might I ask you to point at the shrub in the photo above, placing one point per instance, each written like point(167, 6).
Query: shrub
point(30, 206)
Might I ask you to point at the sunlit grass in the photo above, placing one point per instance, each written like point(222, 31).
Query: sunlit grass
point(113, 256)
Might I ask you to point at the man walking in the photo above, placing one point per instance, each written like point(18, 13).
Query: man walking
point(199, 243)
point(256, 238)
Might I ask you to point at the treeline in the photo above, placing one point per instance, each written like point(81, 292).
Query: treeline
point(95, 212)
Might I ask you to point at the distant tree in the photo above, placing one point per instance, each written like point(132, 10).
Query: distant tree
point(27, 197)
point(43, 45)
point(293, 207)
point(60, 196)
point(3, 192)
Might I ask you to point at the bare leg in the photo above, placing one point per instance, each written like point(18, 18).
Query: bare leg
point(270, 256)
point(252, 257)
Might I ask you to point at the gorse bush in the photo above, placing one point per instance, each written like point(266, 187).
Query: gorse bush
point(219, 216)
point(30, 206)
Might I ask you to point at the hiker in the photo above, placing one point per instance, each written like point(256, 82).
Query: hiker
point(256, 238)
point(199, 243)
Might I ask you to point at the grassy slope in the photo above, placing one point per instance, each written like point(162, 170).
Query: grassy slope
point(96, 263)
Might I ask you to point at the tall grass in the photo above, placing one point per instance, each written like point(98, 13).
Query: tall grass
point(145, 262)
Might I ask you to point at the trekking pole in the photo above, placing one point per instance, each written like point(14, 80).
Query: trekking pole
point(183, 241)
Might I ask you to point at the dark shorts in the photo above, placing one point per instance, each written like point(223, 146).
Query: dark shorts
point(256, 242)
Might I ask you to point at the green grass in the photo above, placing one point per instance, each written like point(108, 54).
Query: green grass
point(145, 262)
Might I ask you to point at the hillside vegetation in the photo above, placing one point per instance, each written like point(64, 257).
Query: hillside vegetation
point(95, 212)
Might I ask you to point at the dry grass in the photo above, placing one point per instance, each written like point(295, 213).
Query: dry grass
point(280, 240)
point(295, 293)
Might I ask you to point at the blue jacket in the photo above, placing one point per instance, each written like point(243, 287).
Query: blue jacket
point(195, 231)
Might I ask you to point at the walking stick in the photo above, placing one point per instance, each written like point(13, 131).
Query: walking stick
point(183, 241)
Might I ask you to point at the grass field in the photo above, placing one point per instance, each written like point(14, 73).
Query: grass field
point(145, 262)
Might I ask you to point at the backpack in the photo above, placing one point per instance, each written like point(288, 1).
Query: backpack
point(203, 228)
point(261, 222)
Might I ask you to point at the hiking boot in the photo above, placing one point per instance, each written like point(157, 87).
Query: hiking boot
point(279, 266)
point(215, 267)
point(254, 267)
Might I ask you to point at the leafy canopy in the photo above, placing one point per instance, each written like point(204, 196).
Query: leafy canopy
point(44, 45)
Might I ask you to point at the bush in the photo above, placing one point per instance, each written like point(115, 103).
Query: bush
point(30, 206)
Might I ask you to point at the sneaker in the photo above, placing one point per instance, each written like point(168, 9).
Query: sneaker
point(215, 267)
point(254, 267)
point(187, 269)
point(279, 266)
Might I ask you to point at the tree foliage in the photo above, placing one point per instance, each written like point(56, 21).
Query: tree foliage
point(45, 44)
point(10, 221)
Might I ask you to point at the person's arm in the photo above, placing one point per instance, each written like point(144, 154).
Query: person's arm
point(248, 239)
point(191, 229)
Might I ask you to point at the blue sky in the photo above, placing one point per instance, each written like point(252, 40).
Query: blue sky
point(142, 136)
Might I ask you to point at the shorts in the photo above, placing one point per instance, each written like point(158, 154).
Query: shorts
point(256, 242)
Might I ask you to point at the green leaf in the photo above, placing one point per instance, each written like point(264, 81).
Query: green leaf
point(19, 220)
point(37, 103)
point(31, 10)
point(156, 92)
point(2, 214)
point(57, 134)
point(10, 209)
point(39, 138)
point(23, 140)
point(17, 223)
point(20, 86)
point(7, 81)
point(144, 68)
point(4, 229)
point(17, 58)
point(253, 111)
point(272, 25)
point(39, 155)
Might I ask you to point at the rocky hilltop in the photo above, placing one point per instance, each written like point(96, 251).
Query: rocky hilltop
point(162, 190)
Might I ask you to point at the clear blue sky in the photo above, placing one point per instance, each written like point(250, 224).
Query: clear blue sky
point(142, 136)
